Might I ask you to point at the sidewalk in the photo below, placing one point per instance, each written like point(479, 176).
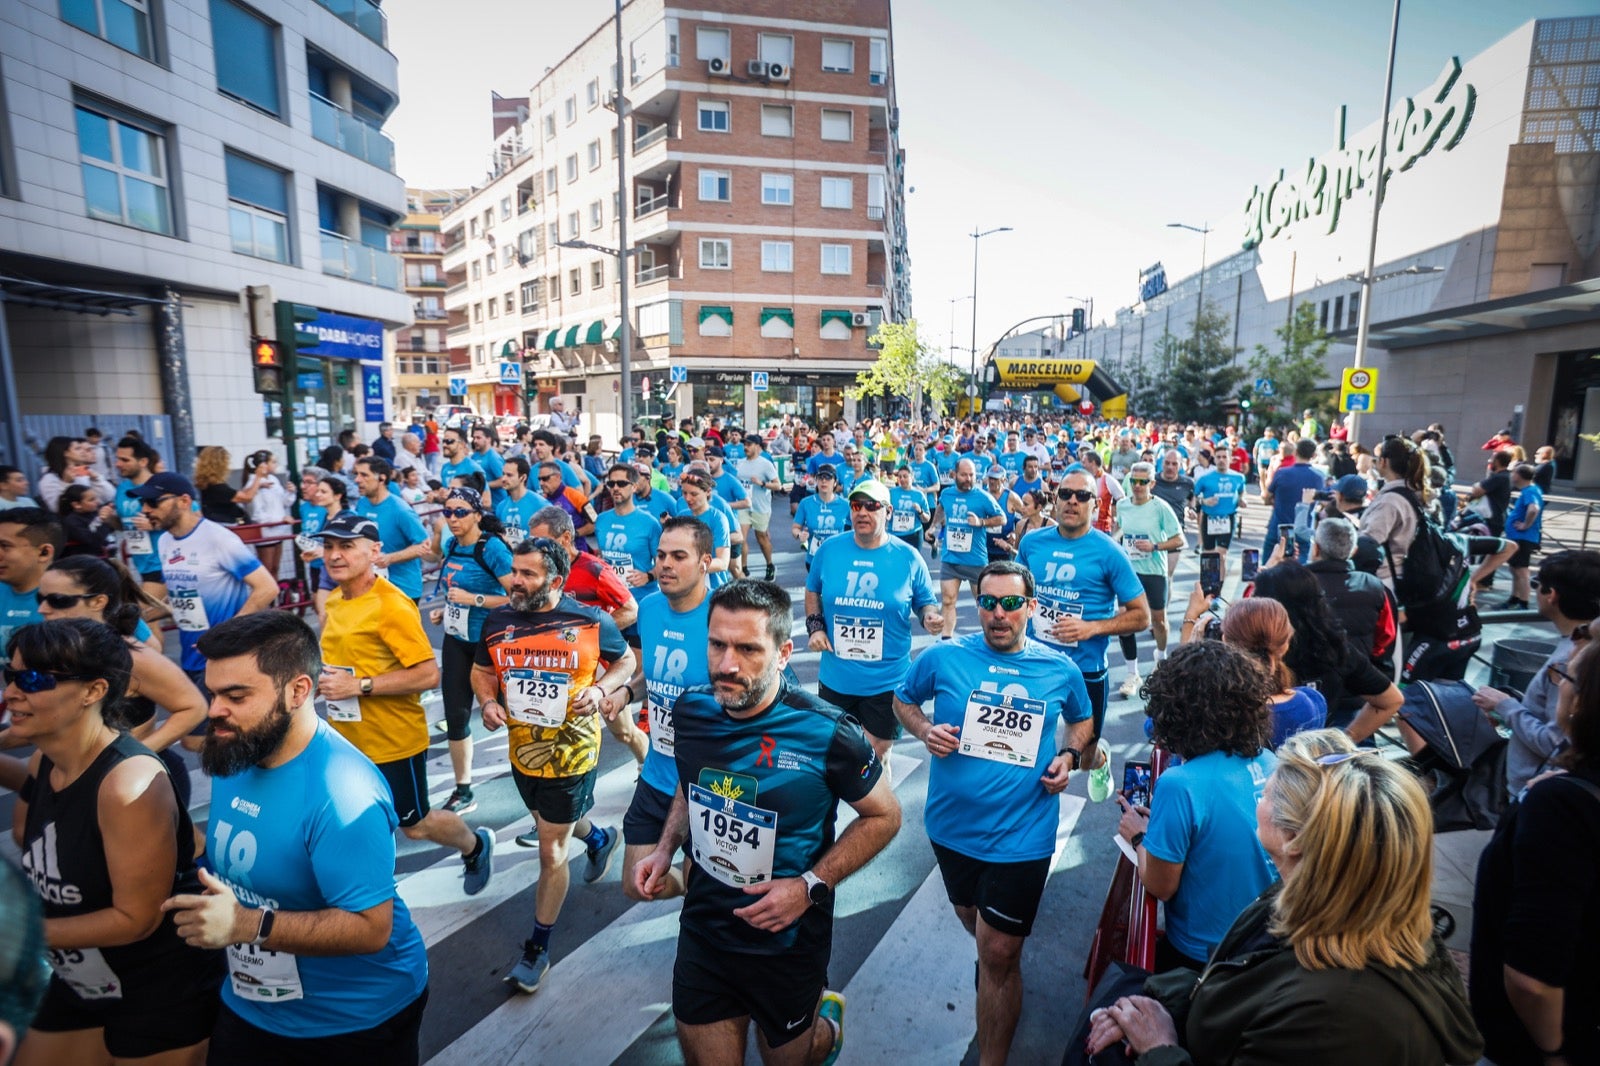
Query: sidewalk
point(1455, 869)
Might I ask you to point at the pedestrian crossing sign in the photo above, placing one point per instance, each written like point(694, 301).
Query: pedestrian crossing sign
point(758, 380)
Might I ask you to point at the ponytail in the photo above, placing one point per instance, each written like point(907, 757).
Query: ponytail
point(1410, 463)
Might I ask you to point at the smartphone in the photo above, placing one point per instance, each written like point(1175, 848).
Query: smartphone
point(1136, 783)
point(1250, 565)
point(1211, 574)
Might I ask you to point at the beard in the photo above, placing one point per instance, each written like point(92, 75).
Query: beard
point(751, 692)
point(537, 600)
point(225, 756)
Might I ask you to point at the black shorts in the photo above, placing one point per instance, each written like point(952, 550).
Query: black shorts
point(408, 782)
point(1006, 894)
point(154, 1016)
point(154, 577)
point(646, 816)
point(1155, 590)
point(1212, 541)
point(1524, 555)
point(778, 992)
point(875, 713)
point(392, 1042)
point(558, 800)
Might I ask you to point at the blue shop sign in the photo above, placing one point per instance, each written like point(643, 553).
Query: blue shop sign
point(372, 392)
point(345, 337)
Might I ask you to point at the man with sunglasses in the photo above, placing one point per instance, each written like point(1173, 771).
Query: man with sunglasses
point(1009, 724)
point(1567, 593)
point(458, 460)
point(628, 536)
point(1088, 593)
point(404, 538)
point(964, 513)
point(556, 493)
point(861, 595)
point(486, 453)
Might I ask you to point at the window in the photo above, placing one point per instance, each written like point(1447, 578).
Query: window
point(554, 229)
point(716, 185)
point(597, 274)
point(572, 167)
point(507, 254)
point(530, 297)
point(594, 155)
point(776, 48)
point(509, 303)
point(477, 354)
point(777, 120)
point(575, 281)
point(551, 178)
point(472, 226)
point(477, 270)
point(594, 93)
point(716, 253)
point(124, 171)
point(836, 259)
point(505, 208)
point(777, 256)
point(494, 308)
point(125, 23)
point(777, 189)
point(714, 116)
point(572, 225)
point(716, 321)
point(246, 50)
point(597, 215)
point(549, 125)
point(258, 208)
point(477, 312)
point(1323, 320)
point(1338, 311)
point(878, 60)
point(838, 57)
point(555, 287)
point(838, 192)
point(836, 125)
point(712, 44)
point(489, 263)
point(572, 109)
point(1355, 310)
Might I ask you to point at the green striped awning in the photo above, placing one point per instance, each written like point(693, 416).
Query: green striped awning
point(552, 340)
point(710, 311)
point(770, 313)
point(571, 339)
point(616, 331)
point(836, 316)
point(596, 332)
point(508, 350)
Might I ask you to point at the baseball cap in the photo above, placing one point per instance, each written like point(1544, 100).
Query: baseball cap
point(827, 470)
point(1351, 487)
point(872, 489)
point(347, 525)
point(696, 442)
point(996, 472)
point(716, 450)
point(165, 484)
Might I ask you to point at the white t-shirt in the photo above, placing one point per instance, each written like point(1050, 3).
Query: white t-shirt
point(755, 473)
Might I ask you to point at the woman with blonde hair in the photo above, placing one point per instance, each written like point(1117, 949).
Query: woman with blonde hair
point(220, 501)
point(1337, 962)
point(1261, 627)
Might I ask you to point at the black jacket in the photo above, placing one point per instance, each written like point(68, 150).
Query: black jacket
point(1361, 603)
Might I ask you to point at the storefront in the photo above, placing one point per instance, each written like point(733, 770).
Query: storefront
point(817, 397)
point(336, 386)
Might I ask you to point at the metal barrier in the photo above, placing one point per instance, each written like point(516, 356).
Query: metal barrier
point(1127, 929)
point(1568, 522)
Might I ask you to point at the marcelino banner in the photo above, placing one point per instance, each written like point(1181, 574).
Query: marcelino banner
point(1031, 373)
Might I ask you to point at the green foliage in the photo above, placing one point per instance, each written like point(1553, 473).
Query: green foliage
point(941, 382)
point(1296, 370)
point(1200, 377)
point(900, 356)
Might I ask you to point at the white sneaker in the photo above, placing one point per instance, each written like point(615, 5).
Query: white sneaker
point(1130, 686)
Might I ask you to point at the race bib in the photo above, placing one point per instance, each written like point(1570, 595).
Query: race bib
point(188, 611)
point(621, 562)
point(538, 697)
point(381, 571)
point(1128, 542)
point(347, 709)
point(455, 620)
point(663, 738)
point(1046, 617)
point(958, 539)
point(732, 841)
point(85, 971)
point(262, 976)
point(138, 543)
point(1219, 525)
point(515, 536)
point(903, 522)
point(860, 639)
point(815, 541)
point(1002, 728)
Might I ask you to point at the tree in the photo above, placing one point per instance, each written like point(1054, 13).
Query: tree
point(900, 356)
point(1146, 397)
point(941, 382)
point(1203, 377)
point(1296, 370)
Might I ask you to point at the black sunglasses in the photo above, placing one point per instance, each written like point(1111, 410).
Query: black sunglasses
point(62, 600)
point(619, 484)
point(1010, 603)
point(1081, 495)
point(457, 512)
point(34, 681)
point(158, 501)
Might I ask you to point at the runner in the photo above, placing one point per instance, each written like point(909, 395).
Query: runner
point(860, 599)
point(672, 625)
point(136, 463)
point(964, 512)
point(822, 514)
point(542, 653)
point(1220, 493)
point(992, 812)
point(555, 493)
point(458, 461)
point(911, 513)
point(656, 499)
point(405, 539)
point(762, 767)
point(628, 536)
point(699, 492)
point(376, 662)
point(1175, 489)
point(731, 491)
point(760, 477)
point(518, 503)
point(30, 538)
point(487, 455)
point(1149, 532)
point(1088, 593)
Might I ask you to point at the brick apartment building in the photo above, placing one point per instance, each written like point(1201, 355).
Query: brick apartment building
point(421, 367)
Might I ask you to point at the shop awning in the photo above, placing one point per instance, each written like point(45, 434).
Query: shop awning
point(508, 350)
point(786, 314)
point(616, 331)
point(711, 311)
point(1545, 309)
point(596, 332)
point(836, 316)
point(552, 340)
point(571, 339)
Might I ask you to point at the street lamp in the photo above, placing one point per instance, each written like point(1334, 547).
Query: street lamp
point(1087, 303)
point(626, 350)
point(625, 358)
point(972, 386)
point(953, 301)
point(1200, 304)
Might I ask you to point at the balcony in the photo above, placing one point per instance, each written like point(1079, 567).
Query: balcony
point(658, 272)
point(654, 135)
point(652, 205)
point(875, 278)
point(333, 125)
point(366, 16)
point(459, 286)
point(345, 258)
point(875, 212)
point(431, 314)
point(459, 330)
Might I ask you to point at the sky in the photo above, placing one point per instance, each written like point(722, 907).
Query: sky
point(1086, 127)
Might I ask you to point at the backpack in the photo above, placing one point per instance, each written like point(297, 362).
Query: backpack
point(1436, 563)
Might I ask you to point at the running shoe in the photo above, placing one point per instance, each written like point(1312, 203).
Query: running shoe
point(480, 869)
point(1100, 782)
point(1513, 604)
point(461, 801)
point(1130, 686)
point(529, 970)
point(832, 1008)
point(772, 572)
point(530, 839)
point(600, 858)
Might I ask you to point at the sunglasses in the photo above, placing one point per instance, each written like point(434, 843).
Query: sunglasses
point(32, 681)
point(865, 505)
point(1337, 757)
point(1138, 481)
point(1081, 495)
point(619, 484)
point(1010, 603)
point(158, 501)
point(62, 600)
point(458, 512)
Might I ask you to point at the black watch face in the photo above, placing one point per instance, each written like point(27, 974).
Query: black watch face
point(818, 893)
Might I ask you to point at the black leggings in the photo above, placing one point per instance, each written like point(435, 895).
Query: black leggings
point(455, 684)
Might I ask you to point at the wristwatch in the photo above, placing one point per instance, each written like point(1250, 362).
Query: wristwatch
point(268, 915)
point(1077, 756)
point(477, 601)
point(817, 890)
point(366, 686)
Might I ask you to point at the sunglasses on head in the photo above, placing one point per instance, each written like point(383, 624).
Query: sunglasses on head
point(457, 512)
point(866, 505)
point(1081, 495)
point(1010, 603)
point(62, 600)
point(32, 681)
point(1336, 757)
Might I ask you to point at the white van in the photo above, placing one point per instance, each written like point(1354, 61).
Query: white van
point(451, 414)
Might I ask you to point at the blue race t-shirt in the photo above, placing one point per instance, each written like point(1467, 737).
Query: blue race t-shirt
point(821, 519)
point(925, 474)
point(317, 833)
point(1084, 577)
point(1225, 485)
point(672, 647)
point(964, 544)
point(627, 543)
point(660, 504)
point(1203, 815)
point(987, 802)
point(17, 609)
point(818, 461)
point(204, 573)
point(1306, 709)
point(907, 506)
point(454, 470)
point(730, 488)
point(400, 528)
point(493, 468)
point(462, 569)
point(721, 533)
point(1527, 499)
point(516, 514)
point(142, 558)
point(869, 598)
point(1288, 484)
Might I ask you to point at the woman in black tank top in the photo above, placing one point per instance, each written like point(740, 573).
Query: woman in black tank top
point(105, 842)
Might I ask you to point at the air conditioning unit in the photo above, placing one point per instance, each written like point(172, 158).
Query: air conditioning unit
point(777, 72)
point(894, 118)
point(718, 67)
point(877, 77)
point(860, 318)
point(756, 68)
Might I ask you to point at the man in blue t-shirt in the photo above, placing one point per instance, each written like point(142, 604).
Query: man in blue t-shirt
point(30, 538)
point(860, 598)
point(458, 461)
point(1219, 491)
point(998, 768)
point(1287, 492)
point(964, 512)
point(404, 537)
point(136, 462)
point(1524, 529)
point(322, 952)
point(487, 455)
point(520, 504)
point(627, 536)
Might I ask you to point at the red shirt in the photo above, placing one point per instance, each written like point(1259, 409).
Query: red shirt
point(594, 584)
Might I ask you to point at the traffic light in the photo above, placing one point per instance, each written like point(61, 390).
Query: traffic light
point(266, 366)
point(1244, 399)
point(1077, 320)
point(292, 339)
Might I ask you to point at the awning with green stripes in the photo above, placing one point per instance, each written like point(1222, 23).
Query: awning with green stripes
point(596, 332)
point(571, 339)
point(836, 316)
point(508, 350)
point(710, 311)
point(552, 340)
point(616, 331)
point(784, 313)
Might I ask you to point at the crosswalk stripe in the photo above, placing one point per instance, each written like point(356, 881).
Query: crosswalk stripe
point(631, 959)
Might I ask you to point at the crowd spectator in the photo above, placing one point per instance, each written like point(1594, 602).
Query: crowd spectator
point(1261, 627)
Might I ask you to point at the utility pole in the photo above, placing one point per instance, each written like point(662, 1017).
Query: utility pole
point(624, 206)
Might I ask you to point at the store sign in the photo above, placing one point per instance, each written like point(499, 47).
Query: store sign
point(1417, 127)
point(344, 337)
point(372, 392)
point(774, 379)
point(1152, 282)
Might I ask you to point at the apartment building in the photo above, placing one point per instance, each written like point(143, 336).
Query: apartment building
point(421, 365)
point(159, 160)
point(765, 192)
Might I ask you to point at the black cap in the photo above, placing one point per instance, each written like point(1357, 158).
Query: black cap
point(347, 525)
point(165, 484)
